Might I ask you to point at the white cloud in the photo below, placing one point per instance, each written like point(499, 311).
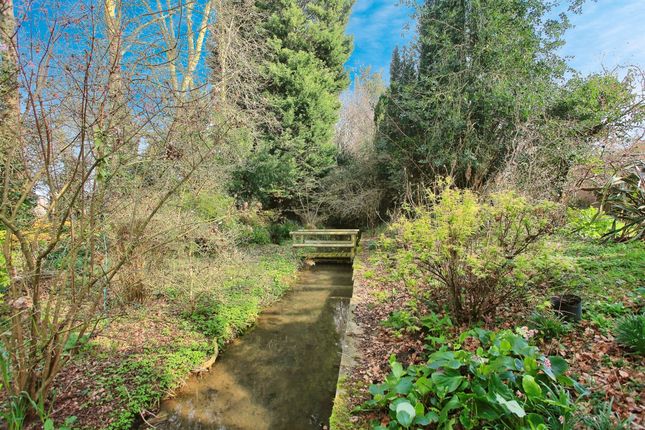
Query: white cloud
point(607, 34)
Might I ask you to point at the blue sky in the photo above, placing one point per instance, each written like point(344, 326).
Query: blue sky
point(607, 33)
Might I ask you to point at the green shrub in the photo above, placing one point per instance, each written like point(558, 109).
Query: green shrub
point(630, 332)
point(211, 206)
point(548, 324)
point(431, 324)
point(260, 235)
point(505, 383)
point(280, 231)
point(588, 223)
point(402, 321)
point(475, 250)
point(436, 327)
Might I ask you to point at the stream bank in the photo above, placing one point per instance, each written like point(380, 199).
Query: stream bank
point(145, 351)
point(282, 374)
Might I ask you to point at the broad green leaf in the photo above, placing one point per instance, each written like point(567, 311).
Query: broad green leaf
point(511, 405)
point(49, 424)
point(423, 385)
point(531, 388)
point(396, 403)
point(443, 359)
point(405, 414)
point(397, 369)
point(558, 365)
point(530, 365)
point(377, 389)
point(404, 386)
point(446, 382)
point(432, 417)
point(419, 409)
point(486, 410)
point(520, 346)
point(496, 386)
point(466, 420)
point(453, 403)
point(535, 420)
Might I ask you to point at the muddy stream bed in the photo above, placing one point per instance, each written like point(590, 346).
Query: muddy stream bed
point(282, 374)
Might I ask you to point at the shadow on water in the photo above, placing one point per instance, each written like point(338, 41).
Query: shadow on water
point(280, 375)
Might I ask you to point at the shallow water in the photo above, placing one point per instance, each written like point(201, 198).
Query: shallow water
point(283, 373)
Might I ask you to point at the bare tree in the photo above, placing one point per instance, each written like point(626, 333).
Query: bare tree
point(356, 128)
point(352, 194)
point(75, 153)
point(184, 49)
point(238, 48)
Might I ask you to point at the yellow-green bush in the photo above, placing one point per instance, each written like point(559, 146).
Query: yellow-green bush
point(473, 249)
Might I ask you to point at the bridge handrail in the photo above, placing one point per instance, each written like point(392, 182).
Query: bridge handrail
point(315, 238)
point(335, 232)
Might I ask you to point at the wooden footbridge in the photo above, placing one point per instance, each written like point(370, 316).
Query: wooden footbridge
point(327, 244)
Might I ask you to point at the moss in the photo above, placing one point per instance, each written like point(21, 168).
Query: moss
point(341, 412)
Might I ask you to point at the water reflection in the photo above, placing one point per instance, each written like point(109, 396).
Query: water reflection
point(281, 375)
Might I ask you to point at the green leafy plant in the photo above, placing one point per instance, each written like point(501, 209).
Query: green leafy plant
point(623, 197)
point(588, 223)
point(280, 231)
point(609, 308)
point(474, 249)
point(505, 383)
point(402, 321)
point(260, 235)
point(548, 324)
point(140, 381)
point(630, 332)
point(436, 327)
point(603, 323)
point(431, 324)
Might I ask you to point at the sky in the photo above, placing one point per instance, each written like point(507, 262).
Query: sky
point(608, 33)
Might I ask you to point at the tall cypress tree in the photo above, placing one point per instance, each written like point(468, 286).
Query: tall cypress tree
point(305, 73)
point(395, 65)
point(483, 67)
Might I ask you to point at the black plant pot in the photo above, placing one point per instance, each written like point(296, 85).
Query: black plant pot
point(568, 306)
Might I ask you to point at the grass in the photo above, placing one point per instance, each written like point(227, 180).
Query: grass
point(607, 270)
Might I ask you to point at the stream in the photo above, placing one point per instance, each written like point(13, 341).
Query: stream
point(282, 374)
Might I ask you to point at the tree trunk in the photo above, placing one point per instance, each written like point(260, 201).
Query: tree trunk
point(9, 88)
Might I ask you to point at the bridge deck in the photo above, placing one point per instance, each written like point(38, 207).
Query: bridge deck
point(338, 243)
